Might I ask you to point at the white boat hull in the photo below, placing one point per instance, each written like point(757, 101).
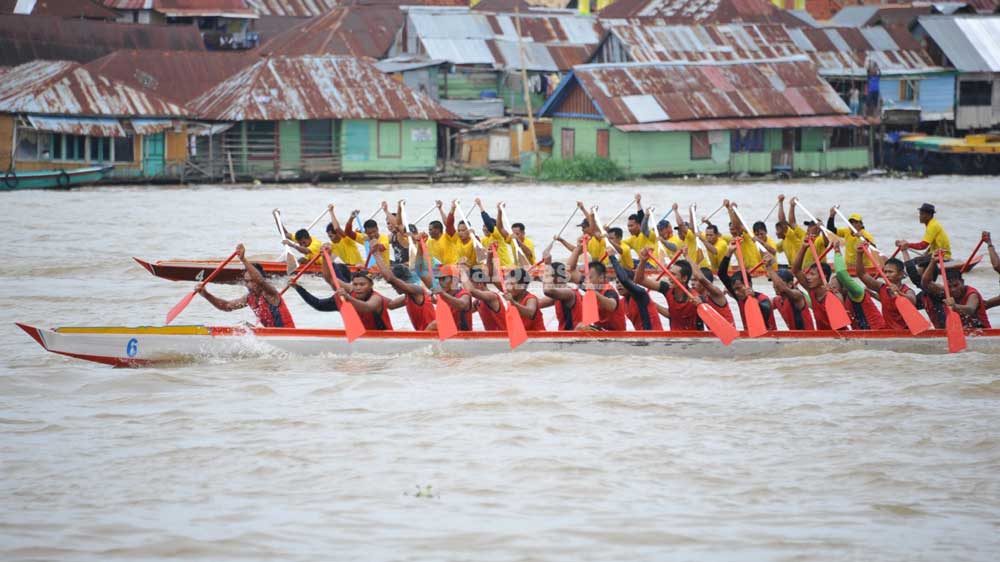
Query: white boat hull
point(121, 346)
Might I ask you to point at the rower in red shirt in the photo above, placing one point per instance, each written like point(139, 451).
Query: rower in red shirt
point(818, 291)
point(887, 292)
point(487, 303)
point(789, 300)
point(413, 295)
point(964, 300)
point(683, 312)
point(527, 304)
point(610, 309)
point(459, 300)
point(263, 299)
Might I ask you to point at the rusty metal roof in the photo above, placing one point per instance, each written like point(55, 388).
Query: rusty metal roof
point(299, 8)
point(66, 88)
point(837, 51)
point(307, 87)
point(188, 8)
point(89, 9)
point(631, 94)
point(753, 123)
point(178, 76)
point(700, 11)
point(362, 31)
point(27, 38)
point(552, 42)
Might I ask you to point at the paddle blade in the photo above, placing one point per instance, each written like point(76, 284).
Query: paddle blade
point(956, 335)
point(836, 313)
point(445, 321)
point(515, 328)
point(719, 326)
point(915, 321)
point(179, 307)
point(353, 326)
point(755, 318)
point(590, 313)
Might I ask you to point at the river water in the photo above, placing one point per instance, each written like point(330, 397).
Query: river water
point(845, 456)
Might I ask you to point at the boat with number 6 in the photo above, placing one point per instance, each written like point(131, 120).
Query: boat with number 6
point(143, 346)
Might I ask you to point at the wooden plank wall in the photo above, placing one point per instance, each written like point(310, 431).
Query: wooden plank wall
point(6, 141)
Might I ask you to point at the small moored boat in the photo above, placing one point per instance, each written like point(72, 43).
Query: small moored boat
point(53, 179)
point(135, 347)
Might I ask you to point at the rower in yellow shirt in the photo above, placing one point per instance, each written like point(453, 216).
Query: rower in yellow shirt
point(371, 236)
point(639, 235)
point(304, 244)
point(765, 244)
point(341, 246)
point(695, 255)
point(715, 244)
point(462, 244)
point(935, 238)
point(439, 246)
point(667, 239)
point(621, 246)
point(851, 241)
point(748, 244)
point(795, 235)
point(492, 235)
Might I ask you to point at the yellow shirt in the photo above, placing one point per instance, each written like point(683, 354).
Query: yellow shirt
point(315, 248)
point(442, 250)
point(851, 242)
point(695, 254)
point(937, 238)
point(626, 257)
point(530, 254)
point(465, 250)
point(721, 247)
point(794, 239)
point(383, 239)
point(347, 250)
point(640, 241)
point(503, 248)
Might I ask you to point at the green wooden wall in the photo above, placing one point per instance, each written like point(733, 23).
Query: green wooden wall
point(409, 146)
point(290, 145)
point(670, 152)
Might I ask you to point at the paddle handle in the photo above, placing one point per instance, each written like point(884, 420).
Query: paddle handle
point(300, 273)
point(739, 259)
point(769, 213)
point(715, 212)
point(748, 229)
point(972, 256)
point(816, 259)
point(878, 267)
point(822, 229)
point(944, 274)
point(622, 212)
point(423, 216)
point(218, 269)
point(325, 213)
point(854, 231)
point(677, 283)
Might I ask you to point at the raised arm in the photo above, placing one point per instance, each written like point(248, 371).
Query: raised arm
point(994, 259)
point(863, 275)
point(733, 217)
point(640, 271)
point(644, 222)
point(449, 221)
point(855, 289)
point(681, 228)
point(485, 295)
point(797, 262)
point(791, 213)
point(927, 280)
point(385, 269)
point(780, 287)
point(714, 292)
point(572, 263)
point(373, 304)
point(781, 208)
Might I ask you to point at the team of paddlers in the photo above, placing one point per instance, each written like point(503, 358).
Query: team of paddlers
point(488, 273)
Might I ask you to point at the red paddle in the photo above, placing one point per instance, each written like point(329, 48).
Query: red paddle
point(353, 326)
point(835, 311)
point(179, 307)
point(914, 320)
point(446, 327)
point(590, 313)
point(751, 310)
point(515, 326)
point(300, 272)
point(953, 323)
point(672, 261)
point(972, 256)
point(719, 326)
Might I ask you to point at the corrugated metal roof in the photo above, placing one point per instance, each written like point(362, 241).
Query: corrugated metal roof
point(27, 38)
point(552, 42)
point(970, 43)
point(78, 126)
point(725, 42)
point(631, 94)
point(298, 8)
point(700, 11)
point(753, 123)
point(178, 76)
point(361, 31)
point(151, 126)
point(204, 8)
point(853, 16)
point(474, 110)
point(66, 88)
point(61, 8)
point(404, 63)
point(293, 88)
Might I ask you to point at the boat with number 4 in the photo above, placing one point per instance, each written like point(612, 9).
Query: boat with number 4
point(143, 346)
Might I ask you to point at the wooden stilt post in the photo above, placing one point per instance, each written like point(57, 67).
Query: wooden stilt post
point(524, 87)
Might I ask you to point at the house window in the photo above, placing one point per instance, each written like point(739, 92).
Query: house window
point(907, 90)
point(100, 149)
point(390, 139)
point(975, 93)
point(747, 140)
point(317, 138)
point(262, 139)
point(700, 147)
point(71, 147)
point(27, 145)
point(124, 148)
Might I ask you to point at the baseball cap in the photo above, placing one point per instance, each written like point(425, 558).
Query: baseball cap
point(855, 217)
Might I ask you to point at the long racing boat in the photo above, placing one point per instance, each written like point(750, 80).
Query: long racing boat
point(143, 346)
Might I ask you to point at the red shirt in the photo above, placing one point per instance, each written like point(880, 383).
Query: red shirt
point(819, 311)
point(612, 320)
point(865, 315)
point(421, 315)
point(683, 314)
point(723, 310)
point(536, 323)
point(768, 319)
point(632, 312)
point(980, 319)
point(377, 320)
point(893, 319)
point(570, 316)
point(269, 315)
point(795, 319)
point(492, 321)
point(463, 318)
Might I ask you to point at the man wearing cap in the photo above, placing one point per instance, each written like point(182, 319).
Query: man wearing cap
point(935, 238)
point(751, 253)
point(668, 239)
point(851, 241)
point(458, 299)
